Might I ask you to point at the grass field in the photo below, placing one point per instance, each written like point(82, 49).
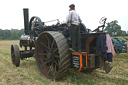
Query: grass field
point(28, 74)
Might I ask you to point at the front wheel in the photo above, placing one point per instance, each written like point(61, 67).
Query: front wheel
point(15, 55)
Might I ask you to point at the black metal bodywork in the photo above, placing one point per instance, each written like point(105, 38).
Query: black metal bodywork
point(35, 27)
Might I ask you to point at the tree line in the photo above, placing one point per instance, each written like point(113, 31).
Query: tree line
point(13, 34)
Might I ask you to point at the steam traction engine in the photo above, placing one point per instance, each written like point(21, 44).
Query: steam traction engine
point(49, 45)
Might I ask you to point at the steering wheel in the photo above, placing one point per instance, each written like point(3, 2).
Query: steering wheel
point(102, 20)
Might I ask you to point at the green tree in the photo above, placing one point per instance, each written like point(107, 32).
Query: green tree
point(113, 28)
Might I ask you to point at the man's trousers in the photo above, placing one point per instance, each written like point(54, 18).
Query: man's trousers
point(76, 37)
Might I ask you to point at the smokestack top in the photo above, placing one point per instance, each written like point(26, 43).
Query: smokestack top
point(25, 8)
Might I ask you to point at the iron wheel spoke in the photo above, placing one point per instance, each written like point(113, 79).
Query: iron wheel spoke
point(55, 70)
point(55, 50)
point(56, 56)
point(44, 45)
point(45, 54)
point(45, 63)
point(56, 63)
point(49, 69)
point(52, 44)
point(49, 43)
point(46, 50)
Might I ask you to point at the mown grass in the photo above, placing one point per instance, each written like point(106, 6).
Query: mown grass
point(28, 73)
point(6, 54)
point(122, 37)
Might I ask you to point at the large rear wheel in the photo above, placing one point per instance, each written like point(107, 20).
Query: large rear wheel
point(52, 55)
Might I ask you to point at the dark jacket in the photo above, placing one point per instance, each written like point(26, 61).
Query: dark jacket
point(101, 45)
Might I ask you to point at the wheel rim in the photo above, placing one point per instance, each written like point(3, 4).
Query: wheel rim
point(48, 56)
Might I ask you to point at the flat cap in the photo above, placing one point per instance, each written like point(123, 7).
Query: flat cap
point(72, 6)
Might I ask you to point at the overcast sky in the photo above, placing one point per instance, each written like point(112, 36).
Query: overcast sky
point(90, 11)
